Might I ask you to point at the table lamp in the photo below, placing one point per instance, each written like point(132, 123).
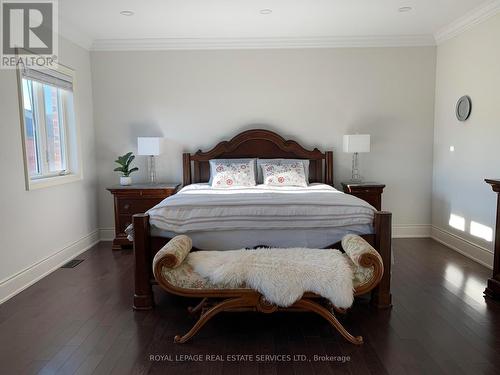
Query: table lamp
point(150, 146)
point(356, 143)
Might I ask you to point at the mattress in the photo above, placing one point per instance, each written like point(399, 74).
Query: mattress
point(314, 216)
point(313, 238)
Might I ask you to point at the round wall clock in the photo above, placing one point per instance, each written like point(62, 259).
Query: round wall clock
point(464, 107)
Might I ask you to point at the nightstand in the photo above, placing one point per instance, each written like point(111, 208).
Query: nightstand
point(135, 199)
point(368, 191)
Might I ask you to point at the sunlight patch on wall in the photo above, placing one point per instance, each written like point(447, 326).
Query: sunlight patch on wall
point(481, 231)
point(457, 222)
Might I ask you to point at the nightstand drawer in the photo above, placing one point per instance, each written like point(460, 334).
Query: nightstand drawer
point(136, 206)
point(373, 198)
point(367, 191)
point(362, 191)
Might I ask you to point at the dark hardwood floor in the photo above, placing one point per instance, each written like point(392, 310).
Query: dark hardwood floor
point(80, 321)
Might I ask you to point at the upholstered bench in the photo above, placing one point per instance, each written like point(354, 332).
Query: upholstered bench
point(176, 275)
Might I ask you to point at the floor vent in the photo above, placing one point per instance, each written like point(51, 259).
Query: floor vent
point(72, 263)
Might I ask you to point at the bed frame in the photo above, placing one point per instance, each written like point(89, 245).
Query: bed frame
point(256, 143)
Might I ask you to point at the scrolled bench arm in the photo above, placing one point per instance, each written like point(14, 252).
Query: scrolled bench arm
point(173, 253)
point(363, 255)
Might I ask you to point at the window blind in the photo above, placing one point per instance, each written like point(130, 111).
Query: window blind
point(49, 77)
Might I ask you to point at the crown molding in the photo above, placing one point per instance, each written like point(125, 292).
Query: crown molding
point(469, 20)
point(153, 44)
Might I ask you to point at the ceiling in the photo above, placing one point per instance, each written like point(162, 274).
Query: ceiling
point(96, 21)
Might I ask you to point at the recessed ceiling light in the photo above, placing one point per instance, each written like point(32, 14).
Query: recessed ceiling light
point(265, 11)
point(127, 13)
point(405, 9)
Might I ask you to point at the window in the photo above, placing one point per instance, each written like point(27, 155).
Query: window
point(48, 126)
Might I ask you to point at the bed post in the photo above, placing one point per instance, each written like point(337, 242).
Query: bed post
point(329, 168)
point(381, 296)
point(186, 168)
point(143, 292)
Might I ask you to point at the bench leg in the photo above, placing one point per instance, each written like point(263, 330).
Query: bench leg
point(198, 307)
point(322, 311)
point(204, 318)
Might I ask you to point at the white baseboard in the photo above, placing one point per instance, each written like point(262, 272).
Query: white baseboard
point(411, 231)
point(106, 234)
point(465, 247)
point(16, 283)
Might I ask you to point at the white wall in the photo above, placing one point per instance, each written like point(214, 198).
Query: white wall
point(41, 228)
point(467, 65)
point(197, 98)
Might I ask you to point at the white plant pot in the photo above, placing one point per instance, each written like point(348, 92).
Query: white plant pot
point(125, 181)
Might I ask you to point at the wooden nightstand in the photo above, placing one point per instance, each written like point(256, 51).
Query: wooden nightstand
point(135, 199)
point(368, 191)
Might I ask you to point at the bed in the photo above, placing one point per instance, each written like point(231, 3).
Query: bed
point(224, 219)
point(316, 216)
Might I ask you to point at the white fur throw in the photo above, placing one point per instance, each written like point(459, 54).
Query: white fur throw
point(280, 275)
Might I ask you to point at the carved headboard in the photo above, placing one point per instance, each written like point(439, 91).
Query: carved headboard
point(258, 143)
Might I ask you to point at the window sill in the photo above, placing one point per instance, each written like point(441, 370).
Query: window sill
point(52, 181)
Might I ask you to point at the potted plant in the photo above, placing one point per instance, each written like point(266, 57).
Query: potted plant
point(124, 162)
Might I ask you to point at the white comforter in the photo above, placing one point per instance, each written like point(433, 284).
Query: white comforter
point(199, 207)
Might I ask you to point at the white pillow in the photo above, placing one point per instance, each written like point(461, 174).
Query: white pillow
point(260, 178)
point(225, 173)
point(284, 174)
point(242, 160)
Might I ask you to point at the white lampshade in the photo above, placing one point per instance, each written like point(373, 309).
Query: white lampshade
point(149, 146)
point(356, 143)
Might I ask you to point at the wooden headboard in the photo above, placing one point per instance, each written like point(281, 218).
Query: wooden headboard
point(258, 143)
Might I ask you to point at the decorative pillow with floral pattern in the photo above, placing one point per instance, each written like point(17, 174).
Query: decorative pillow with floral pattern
point(226, 174)
point(284, 174)
point(260, 178)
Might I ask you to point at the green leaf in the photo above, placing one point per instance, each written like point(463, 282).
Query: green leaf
point(133, 170)
point(124, 162)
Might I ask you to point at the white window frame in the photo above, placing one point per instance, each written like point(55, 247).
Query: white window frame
point(72, 156)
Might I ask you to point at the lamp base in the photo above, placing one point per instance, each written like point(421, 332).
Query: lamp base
point(152, 170)
point(355, 176)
